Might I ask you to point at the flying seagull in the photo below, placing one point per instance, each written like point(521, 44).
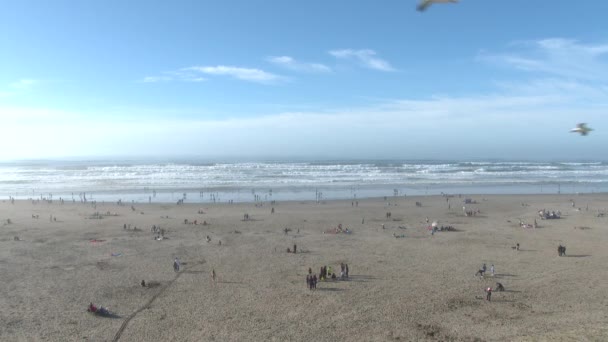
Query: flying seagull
point(582, 129)
point(424, 4)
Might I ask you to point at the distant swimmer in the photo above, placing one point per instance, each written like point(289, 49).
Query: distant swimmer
point(582, 129)
point(424, 4)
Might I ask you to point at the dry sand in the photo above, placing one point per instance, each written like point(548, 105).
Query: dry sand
point(420, 287)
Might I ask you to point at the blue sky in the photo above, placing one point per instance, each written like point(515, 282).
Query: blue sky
point(313, 79)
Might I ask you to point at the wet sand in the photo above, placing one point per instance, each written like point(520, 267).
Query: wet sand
point(420, 287)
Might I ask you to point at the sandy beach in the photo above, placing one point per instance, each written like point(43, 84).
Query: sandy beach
point(56, 258)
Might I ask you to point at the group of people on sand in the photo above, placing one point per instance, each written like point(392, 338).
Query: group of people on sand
point(338, 230)
point(195, 222)
point(311, 281)
point(549, 215)
point(326, 273)
point(128, 227)
point(470, 213)
point(159, 233)
point(488, 290)
point(482, 271)
point(98, 310)
point(446, 229)
point(524, 225)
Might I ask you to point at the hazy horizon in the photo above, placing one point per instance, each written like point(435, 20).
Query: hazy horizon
point(285, 159)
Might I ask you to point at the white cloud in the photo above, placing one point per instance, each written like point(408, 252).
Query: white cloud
point(154, 79)
point(292, 64)
point(180, 75)
point(512, 123)
point(25, 83)
point(245, 74)
point(557, 57)
point(18, 87)
point(367, 58)
point(193, 74)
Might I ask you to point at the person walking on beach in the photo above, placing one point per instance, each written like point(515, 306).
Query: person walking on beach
point(489, 294)
point(492, 269)
point(176, 265)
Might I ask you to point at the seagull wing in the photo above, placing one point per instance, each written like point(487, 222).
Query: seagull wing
point(423, 5)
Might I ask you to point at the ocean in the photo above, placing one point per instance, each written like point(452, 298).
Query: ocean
point(203, 182)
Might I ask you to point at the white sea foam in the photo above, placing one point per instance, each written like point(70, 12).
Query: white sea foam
point(31, 178)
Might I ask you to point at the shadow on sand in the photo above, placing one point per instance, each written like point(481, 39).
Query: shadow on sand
point(329, 289)
point(578, 256)
point(109, 315)
point(500, 275)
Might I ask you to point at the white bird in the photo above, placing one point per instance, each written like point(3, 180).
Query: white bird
point(424, 4)
point(582, 129)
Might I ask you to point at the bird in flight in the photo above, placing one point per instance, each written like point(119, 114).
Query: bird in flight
point(424, 4)
point(582, 129)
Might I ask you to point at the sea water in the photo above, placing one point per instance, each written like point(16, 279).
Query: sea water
point(204, 181)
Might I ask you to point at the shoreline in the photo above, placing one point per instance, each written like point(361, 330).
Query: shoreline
point(249, 195)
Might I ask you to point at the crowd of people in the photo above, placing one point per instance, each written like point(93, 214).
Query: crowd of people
point(326, 273)
point(549, 215)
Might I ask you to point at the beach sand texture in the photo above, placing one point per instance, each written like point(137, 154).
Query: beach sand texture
point(420, 287)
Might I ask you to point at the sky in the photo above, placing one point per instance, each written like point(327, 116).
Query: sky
point(281, 79)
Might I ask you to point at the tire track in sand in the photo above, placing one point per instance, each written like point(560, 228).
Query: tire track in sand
point(145, 306)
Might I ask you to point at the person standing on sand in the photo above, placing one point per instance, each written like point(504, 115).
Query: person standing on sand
point(489, 294)
point(346, 268)
point(492, 269)
point(176, 265)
